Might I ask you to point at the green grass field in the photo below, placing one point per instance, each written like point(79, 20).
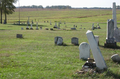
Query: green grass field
point(37, 57)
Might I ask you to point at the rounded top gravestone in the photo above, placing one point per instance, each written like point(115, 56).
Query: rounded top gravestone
point(84, 50)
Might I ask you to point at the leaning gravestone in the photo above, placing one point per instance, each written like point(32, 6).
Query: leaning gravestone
point(74, 41)
point(84, 50)
point(110, 42)
point(58, 40)
point(19, 36)
point(100, 62)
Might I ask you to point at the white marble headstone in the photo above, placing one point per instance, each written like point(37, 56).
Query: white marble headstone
point(84, 50)
point(100, 62)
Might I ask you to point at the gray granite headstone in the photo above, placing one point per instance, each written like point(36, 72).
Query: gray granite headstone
point(116, 30)
point(74, 41)
point(21, 28)
point(110, 31)
point(19, 36)
point(73, 28)
point(58, 40)
point(37, 26)
point(27, 28)
point(115, 58)
point(55, 26)
point(31, 27)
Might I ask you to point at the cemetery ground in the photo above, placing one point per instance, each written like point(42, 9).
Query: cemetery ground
point(35, 56)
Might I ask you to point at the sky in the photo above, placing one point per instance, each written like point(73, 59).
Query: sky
point(72, 3)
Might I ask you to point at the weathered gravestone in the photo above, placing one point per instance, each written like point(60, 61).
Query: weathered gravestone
point(58, 40)
point(99, 60)
point(97, 39)
point(74, 41)
point(27, 28)
point(110, 42)
point(73, 28)
point(21, 28)
point(115, 58)
point(93, 26)
point(31, 27)
point(116, 30)
point(55, 26)
point(98, 27)
point(19, 36)
point(41, 28)
point(37, 26)
point(28, 21)
point(50, 23)
point(46, 29)
point(84, 50)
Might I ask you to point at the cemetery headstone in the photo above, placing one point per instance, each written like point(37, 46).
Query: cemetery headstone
point(99, 60)
point(21, 28)
point(55, 26)
point(64, 22)
point(27, 28)
point(19, 36)
point(50, 23)
point(32, 22)
point(28, 21)
point(114, 15)
point(51, 28)
point(41, 28)
point(84, 50)
point(74, 41)
point(46, 29)
point(31, 27)
point(97, 39)
point(110, 42)
point(115, 58)
point(73, 28)
point(37, 26)
point(98, 27)
point(116, 30)
point(58, 40)
point(93, 26)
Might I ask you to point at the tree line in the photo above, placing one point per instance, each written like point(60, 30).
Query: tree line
point(65, 7)
point(47, 7)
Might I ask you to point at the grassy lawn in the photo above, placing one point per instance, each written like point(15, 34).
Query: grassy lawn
point(37, 57)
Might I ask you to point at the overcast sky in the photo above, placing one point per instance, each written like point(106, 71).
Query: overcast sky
point(72, 3)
